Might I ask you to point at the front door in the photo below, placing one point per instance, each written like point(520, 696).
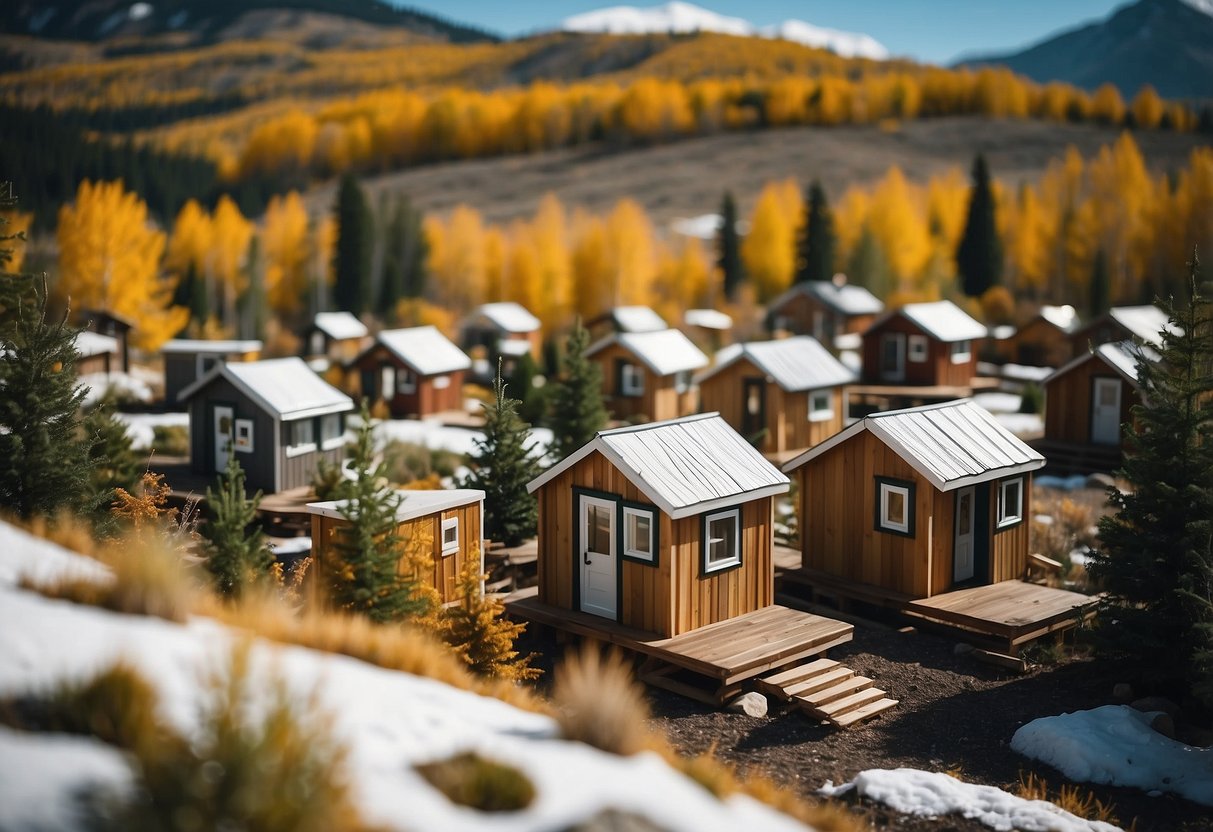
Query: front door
point(962, 557)
point(223, 420)
point(754, 408)
point(596, 558)
point(1105, 411)
point(893, 356)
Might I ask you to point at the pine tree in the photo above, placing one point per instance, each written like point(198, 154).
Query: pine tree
point(979, 255)
point(14, 286)
point(404, 265)
point(729, 247)
point(815, 260)
point(367, 550)
point(352, 259)
point(577, 409)
point(1101, 289)
point(478, 632)
point(501, 465)
point(115, 464)
point(868, 266)
point(1156, 558)
point(235, 548)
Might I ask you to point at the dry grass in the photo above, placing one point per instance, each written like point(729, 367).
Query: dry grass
point(1075, 800)
point(598, 702)
point(485, 785)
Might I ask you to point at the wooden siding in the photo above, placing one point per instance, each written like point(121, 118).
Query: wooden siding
point(937, 369)
point(1039, 343)
point(181, 370)
point(99, 363)
point(787, 414)
point(1102, 330)
point(799, 316)
point(1068, 401)
point(1009, 547)
point(660, 401)
point(668, 598)
point(259, 467)
point(425, 401)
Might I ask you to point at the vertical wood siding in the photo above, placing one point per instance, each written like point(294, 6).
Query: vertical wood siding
point(1039, 344)
point(1009, 547)
point(659, 401)
point(1068, 403)
point(938, 369)
point(427, 399)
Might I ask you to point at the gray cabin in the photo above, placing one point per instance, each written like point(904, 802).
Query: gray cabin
point(187, 360)
point(278, 417)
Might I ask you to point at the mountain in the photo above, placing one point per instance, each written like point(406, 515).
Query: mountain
point(1166, 43)
point(685, 17)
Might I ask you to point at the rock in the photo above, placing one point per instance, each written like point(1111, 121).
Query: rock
point(962, 649)
point(1195, 737)
point(1156, 703)
point(1122, 693)
point(1162, 723)
point(751, 704)
point(1099, 481)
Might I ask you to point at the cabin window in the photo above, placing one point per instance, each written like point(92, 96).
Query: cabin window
point(631, 380)
point(782, 323)
point(206, 363)
point(332, 433)
point(242, 439)
point(318, 343)
point(962, 351)
point(442, 382)
point(450, 536)
point(895, 506)
point(918, 348)
point(1010, 502)
point(721, 533)
point(682, 382)
point(821, 405)
point(639, 533)
point(406, 382)
point(387, 381)
point(302, 437)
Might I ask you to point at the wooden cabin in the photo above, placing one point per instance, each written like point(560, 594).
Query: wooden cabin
point(444, 524)
point(922, 344)
point(505, 331)
point(824, 309)
point(626, 319)
point(112, 326)
point(187, 360)
point(647, 376)
point(1089, 399)
point(417, 371)
point(915, 502)
point(337, 336)
point(278, 417)
point(780, 395)
point(1139, 324)
point(96, 354)
point(707, 326)
point(663, 547)
point(1044, 340)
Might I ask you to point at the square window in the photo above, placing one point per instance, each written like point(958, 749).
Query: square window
point(442, 382)
point(721, 543)
point(895, 506)
point(243, 438)
point(631, 380)
point(406, 382)
point(918, 348)
point(961, 351)
point(1010, 502)
point(332, 432)
point(821, 405)
point(450, 536)
point(302, 435)
point(639, 531)
point(682, 382)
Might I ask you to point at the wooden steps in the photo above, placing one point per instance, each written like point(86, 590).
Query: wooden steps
point(828, 690)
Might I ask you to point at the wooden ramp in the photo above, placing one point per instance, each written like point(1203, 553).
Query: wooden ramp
point(827, 690)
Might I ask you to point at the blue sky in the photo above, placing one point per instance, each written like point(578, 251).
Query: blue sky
point(929, 30)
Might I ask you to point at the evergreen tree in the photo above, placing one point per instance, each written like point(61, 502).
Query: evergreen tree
point(979, 255)
point(577, 409)
point(729, 247)
point(1101, 288)
point(115, 464)
point(868, 266)
point(815, 258)
point(478, 632)
point(404, 266)
point(367, 550)
point(352, 258)
point(14, 287)
point(501, 465)
point(254, 306)
point(1156, 558)
point(235, 548)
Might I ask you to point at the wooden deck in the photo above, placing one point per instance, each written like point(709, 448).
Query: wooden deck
point(725, 654)
point(1012, 612)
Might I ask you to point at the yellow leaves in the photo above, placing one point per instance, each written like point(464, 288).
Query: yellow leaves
point(109, 259)
point(456, 258)
point(280, 145)
point(768, 250)
point(12, 224)
point(1147, 108)
point(285, 244)
point(1107, 107)
point(653, 109)
point(899, 226)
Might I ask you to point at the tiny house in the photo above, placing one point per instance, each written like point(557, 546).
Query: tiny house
point(1045, 340)
point(444, 524)
point(781, 395)
point(337, 336)
point(1139, 324)
point(922, 344)
point(626, 319)
point(648, 375)
point(278, 417)
point(663, 527)
point(824, 309)
point(417, 372)
point(916, 502)
point(1088, 399)
point(96, 353)
point(112, 326)
point(186, 361)
point(503, 330)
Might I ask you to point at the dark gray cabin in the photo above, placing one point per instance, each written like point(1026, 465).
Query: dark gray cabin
point(186, 361)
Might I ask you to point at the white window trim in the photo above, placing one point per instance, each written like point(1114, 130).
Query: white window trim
point(441, 382)
point(825, 413)
point(961, 357)
point(1004, 517)
point(631, 380)
point(886, 489)
point(306, 447)
point(247, 447)
point(682, 382)
point(917, 349)
point(709, 565)
point(638, 554)
point(452, 547)
point(333, 442)
point(406, 382)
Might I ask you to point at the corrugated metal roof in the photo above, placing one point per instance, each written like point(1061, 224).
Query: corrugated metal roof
point(1145, 322)
point(425, 349)
point(944, 320)
point(509, 316)
point(1062, 317)
point(665, 352)
point(92, 343)
point(707, 319)
point(340, 325)
point(228, 347)
point(286, 387)
point(1121, 356)
point(686, 466)
point(795, 364)
point(413, 504)
point(847, 298)
point(637, 319)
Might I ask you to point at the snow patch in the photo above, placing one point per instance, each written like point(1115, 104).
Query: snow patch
point(138, 11)
point(122, 386)
point(140, 426)
point(1114, 745)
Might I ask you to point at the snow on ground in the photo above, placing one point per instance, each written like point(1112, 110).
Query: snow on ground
point(140, 426)
point(433, 434)
point(390, 721)
point(935, 794)
point(1115, 745)
point(998, 402)
point(124, 387)
point(1023, 425)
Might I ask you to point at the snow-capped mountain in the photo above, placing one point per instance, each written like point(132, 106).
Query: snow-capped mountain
point(684, 17)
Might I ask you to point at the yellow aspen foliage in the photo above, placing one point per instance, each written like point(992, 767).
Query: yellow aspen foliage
point(320, 268)
point(284, 241)
point(684, 279)
point(850, 214)
point(231, 235)
point(524, 283)
point(280, 145)
point(593, 280)
point(190, 243)
point(1195, 202)
point(947, 206)
point(109, 259)
point(549, 238)
point(495, 251)
point(1147, 108)
point(456, 259)
point(631, 261)
point(15, 223)
point(768, 251)
point(899, 227)
point(1026, 242)
point(653, 109)
point(1122, 198)
point(1107, 107)
point(418, 312)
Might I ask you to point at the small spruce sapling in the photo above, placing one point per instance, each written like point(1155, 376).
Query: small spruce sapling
point(236, 551)
point(115, 464)
point(478, 632)
point(577, 409)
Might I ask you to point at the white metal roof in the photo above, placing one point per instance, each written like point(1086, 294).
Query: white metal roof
point(1121, 356)
point(425, 349)
point(665, 352)
point(92, 343)
point(637, 319)
point(227, 347)
point(340, 326)
point(707, 319)
point(944, 320)
point(1062, 317)
point(413, 504)
point(284, 387)
point(846, 298)
point(1145, 322)
point(685, 466)
point(953, 444)
point(795, 364)
point(508, 316)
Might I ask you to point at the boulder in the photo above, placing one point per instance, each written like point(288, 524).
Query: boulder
point(962, 649)
point(751, 704)
point(1162, 723)
point(1122, 693)
point(1156, 703)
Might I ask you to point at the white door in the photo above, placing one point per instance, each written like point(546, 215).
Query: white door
point(962, 557)
point(893, 356)
point(1105, 411)
point(224, 418)
point(387, 382)
point(597, 556)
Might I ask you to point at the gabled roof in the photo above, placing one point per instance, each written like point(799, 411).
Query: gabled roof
point(92, 343)
point(1121, 356)
point(637, 319)
point(665, 352)
point(96, 315)
point(795, 364)
point(340, 326)
point(425, 349)
point(508, 316)
point(286, 388)
point(941, 319)
point(226, 347)
point(953, 444)
point(685, 466)
point(413, 504)
point(708, 319)
point(1145, 322)
point(1062, 317)
point(847, 299)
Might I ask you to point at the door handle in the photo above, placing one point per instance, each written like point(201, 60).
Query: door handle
point(587, 558)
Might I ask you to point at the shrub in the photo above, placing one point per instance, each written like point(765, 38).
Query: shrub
point(599, 703)
point(1074, 800)
point(1033, 399)
point(488, 786)
point(477, 631)
point(171, 440)
point(407, 462)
